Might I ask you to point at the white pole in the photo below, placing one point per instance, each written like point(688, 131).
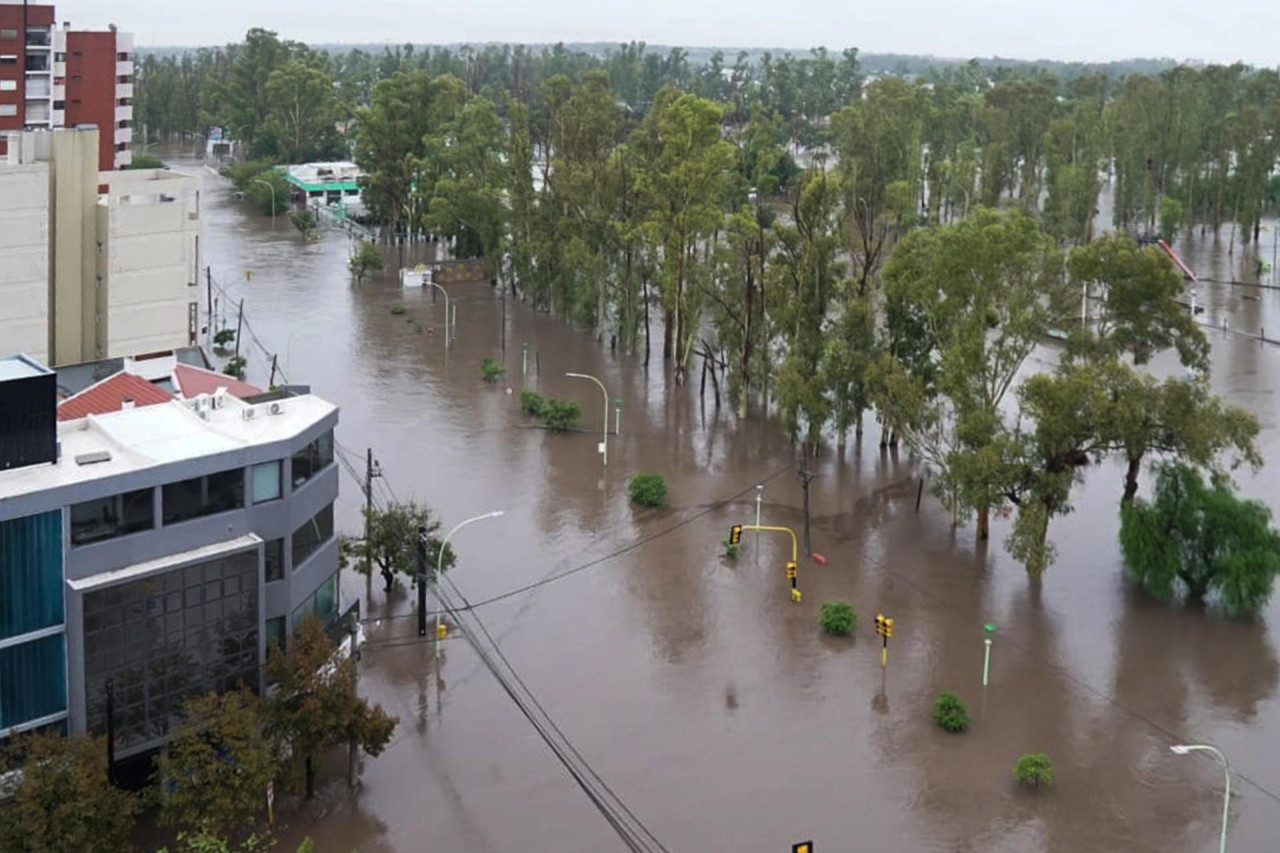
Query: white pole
point(1183, 749)
point(759, 495)
point(445, 544)
point(446, 310)
point(604, 426)
point(986, 660)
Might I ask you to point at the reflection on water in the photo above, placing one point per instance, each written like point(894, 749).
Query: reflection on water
point(695, 687)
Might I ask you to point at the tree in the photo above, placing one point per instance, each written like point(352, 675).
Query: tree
point(65, 800)
point(304, 221)
point(1033, 769)
point(213, 775)
point(366, 259)
point(302, 115)
point(1199, 540)
point(315, 706)
point(392, 545)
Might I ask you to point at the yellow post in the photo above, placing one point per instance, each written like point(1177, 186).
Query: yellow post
point(795, 548)
point(884, 655)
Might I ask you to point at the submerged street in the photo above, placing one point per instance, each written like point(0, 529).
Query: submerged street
point(709, 702)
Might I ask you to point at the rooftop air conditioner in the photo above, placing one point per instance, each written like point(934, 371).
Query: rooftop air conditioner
point(276, 409)
point(249, 413)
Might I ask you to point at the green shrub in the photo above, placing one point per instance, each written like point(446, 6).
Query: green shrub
point(837, 618)
point(1033, 769)
point(729, 549)
point(222, 337)
point(235, 367)
point(950, 713)
point(491, 371)
point(648, 489)
point(560, 415)
point(142, 160)
point(531, 403)
point(397, 309)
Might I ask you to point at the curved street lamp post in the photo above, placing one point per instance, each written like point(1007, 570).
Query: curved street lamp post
point(1185, 749)
point(497, 513)
point(604, 427)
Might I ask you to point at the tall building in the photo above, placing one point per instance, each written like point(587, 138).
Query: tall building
point(152, 553)
point(53, 77)
point(85, 274)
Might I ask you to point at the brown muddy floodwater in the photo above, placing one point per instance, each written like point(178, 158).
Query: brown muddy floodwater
point(707, 699)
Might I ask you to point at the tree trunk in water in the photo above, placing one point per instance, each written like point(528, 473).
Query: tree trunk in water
point(668, 332)
point(984, 523)
point(311, 779)
point(647, 345)
point(388, 578)
point(1036, 565)
point(1131, 479)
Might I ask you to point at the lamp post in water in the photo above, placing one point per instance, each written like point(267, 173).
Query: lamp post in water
point(1185, 749)
point(497, 513)
point(604, 427)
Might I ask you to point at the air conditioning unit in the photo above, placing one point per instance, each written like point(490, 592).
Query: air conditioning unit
point(276, 409)
point(249, 413)
point(219, 398)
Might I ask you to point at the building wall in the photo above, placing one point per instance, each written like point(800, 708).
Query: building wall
point(152, 259)
point(91, 82)
point(24, 258)
point(73, 295)
point(20, 18)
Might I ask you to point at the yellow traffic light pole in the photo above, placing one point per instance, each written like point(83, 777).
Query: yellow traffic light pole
point(792, 567)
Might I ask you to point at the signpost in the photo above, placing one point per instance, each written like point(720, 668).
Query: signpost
point(884, 628)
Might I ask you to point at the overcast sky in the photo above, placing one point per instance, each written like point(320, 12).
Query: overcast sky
point(1212, 30)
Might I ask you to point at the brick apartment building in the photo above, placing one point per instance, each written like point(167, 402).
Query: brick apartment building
point(53, 77)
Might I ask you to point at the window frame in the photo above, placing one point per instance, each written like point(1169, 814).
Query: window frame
point(253, 482)
point(118, 507)
point(167, 520)
point(309, 551)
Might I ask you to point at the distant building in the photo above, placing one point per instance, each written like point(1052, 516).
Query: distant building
point(333, 185)
point(86, 275)
point(54, 77)
point(154, 551)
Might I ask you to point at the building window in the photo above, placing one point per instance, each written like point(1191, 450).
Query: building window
point(265, 480)
point(273, 560)
point(8, 35)
point(59, 57)
point(8, 109)
point(166, 637)
point(30, 574)
point(275, 634)
point(203, 495)
point(112, 516)
point(59, 105)
point(311, 535)
point(323, 604)
point(8, 59)
point(34, 678)
point(312, 459)
point(8, 85)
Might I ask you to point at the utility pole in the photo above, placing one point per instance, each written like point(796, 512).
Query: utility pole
point(208, 277)
point(805, 477)
point(371, 470)
point(272, 381)
point(239, 326)
point(422, 581)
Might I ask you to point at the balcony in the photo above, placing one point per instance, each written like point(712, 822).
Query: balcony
point(124, 114)
point(38, 63)
point(124, 69)
point(38, 112)
point(123, 158)
point(39, 88)
point(39, 39)
point(124, 135)
point(124, 90)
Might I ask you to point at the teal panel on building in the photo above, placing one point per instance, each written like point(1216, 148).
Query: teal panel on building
point(33, 680)
point(30, 573)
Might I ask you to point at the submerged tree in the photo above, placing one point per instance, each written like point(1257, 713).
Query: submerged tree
point(392, 544)
point(1201, 540)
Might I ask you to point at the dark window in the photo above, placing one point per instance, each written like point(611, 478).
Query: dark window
point(273, 560)
point(112, 516)
point(8, 60)
point(275, 634)
point(59, 105)
point(312, 459)
point(311, 535)
point(203, 495)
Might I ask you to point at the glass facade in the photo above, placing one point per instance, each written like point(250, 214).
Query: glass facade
point(166, 638)
point(265, 482)
point(33, 680)
point(311, 535)
point(273, 560)
point(312, 459)
point(203, 495)
point(30, 574)
point(112, 516)
point(322, 603)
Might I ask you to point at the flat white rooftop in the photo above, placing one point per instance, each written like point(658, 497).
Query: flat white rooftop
point(134, 439)
point(20, 367)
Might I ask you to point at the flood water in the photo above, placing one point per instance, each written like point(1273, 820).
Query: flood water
point(707, 699)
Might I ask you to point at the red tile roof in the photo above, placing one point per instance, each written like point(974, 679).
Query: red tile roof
point(109, 396)
point(195, 380)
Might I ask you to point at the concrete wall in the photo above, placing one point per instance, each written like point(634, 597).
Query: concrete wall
point(73, 294)
point(152, 259)
point(24, 259)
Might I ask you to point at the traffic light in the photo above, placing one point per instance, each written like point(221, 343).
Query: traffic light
point(880, 625)
point(735, 534)
point(802, 847)
point(888, 628)
point(791, 571)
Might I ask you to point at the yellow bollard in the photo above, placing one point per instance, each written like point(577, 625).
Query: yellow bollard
point(442, 631)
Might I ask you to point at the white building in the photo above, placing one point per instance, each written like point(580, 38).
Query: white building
point(83, 276)
point(333, 185)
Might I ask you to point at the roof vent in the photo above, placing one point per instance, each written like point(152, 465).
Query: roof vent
point(93, 458)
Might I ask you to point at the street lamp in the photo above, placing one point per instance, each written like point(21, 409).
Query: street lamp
point(497, 513)
point(604, 427)
point(271, 187)
point(1184, 749)
point(447, 336)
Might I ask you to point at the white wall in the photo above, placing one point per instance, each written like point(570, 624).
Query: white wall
point(152, 263)
point(24, 260)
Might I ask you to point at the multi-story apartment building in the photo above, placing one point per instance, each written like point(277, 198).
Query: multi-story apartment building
point(94, 264)
point(153, 553)
point(53, 77)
